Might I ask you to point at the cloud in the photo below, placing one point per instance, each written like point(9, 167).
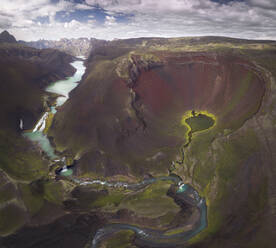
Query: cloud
point(165, 18)
point(5, 23)
point(135, 18)
point(147, 6)
point(20, 11)
point(110, 21)
point(83, 7)
point(72, 24)
point(267, 4)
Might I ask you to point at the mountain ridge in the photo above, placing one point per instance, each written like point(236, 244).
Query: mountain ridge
point(6, 37)
point(74, 46)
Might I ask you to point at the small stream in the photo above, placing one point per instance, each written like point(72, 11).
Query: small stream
point(148, 237)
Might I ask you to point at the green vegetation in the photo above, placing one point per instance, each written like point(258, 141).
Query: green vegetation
point(227, 162)
point(7, 193)
point(108, 202)
point(152, 202)
point(48, 122)
point(32, 199)
point(126, 62)
point(167, 218)
point(96, 196)
point(177, 230)
point(53, 192)
point(18, 160)
point(199, 121)
point(12, 218)
point(36, 194)
point(122, 239)
point(258, 201)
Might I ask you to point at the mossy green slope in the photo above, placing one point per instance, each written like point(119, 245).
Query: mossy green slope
point(122, 239)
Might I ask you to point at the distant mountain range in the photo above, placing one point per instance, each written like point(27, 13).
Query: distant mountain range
point(75, 47)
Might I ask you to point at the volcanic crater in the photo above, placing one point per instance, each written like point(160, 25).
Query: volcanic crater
point(227, 86)
point(131, 107)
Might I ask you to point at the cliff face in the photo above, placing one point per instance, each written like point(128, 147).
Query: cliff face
point(125, 118)
point(75, 47)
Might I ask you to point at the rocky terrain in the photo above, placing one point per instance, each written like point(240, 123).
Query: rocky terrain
point(200, 108)
point(75, 47)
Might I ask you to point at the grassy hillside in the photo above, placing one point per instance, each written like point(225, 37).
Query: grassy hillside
point(24, 73)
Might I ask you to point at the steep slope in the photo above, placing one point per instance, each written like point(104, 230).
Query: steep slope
point(127, 117)
point(24, 73)
point(24, 190)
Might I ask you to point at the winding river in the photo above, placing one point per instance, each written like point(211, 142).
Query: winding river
point(149, 237)
point(146, 237)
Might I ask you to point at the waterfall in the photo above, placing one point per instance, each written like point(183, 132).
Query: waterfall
point(21, 124)
point(41, 124)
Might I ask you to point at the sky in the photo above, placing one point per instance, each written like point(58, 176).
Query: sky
point(110, 19)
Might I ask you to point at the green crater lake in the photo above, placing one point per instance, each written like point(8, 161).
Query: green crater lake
point(199, 122)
